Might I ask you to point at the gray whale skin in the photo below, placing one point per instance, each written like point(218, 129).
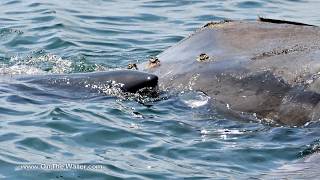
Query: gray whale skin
point(269, 68)
point(128, 80)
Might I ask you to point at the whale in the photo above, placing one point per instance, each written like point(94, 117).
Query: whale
point(82, 85)
point(267, 69)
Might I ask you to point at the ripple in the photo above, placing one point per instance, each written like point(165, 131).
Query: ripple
point(37, 144)
point(21, 42)
point(12, 2)
point(8, 136)
point(117, 19)
point(43, 19)
point(151, 17)
point(111, 137)
point(8, 111)
point(22, 100)
point(62, 126)
point(58, 43)
point(58, 113)
point(33, 5)
point(162, 4)
point(249, 4)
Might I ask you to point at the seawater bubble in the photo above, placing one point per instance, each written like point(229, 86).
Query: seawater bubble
point(229, 131)
point(20, 69)
point(192, 81)
point(37, 64)
point(134, 126)
point(195, 99)
point(223, 136)
point(204, 132)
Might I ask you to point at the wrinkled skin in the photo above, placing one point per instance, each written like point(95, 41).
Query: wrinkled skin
point(264, 68)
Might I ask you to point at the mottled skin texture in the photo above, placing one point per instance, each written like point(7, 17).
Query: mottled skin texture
point(270, 69)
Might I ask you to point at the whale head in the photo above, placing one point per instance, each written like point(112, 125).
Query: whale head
point(132, 80)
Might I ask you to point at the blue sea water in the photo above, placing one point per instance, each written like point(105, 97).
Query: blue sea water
point(122, 138)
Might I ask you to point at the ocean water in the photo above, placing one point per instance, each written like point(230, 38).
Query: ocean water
point(47, 136)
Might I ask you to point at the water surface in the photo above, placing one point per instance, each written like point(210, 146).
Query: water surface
point(172, 138)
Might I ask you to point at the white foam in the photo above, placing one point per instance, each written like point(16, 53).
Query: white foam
point(195, 99)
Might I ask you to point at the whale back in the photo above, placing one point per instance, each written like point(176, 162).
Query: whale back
point(256, 67)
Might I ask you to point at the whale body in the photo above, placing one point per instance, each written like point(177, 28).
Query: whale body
point(126, 80)
point(268, 68)
point(81, 85)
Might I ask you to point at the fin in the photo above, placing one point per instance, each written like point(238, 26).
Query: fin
point(277, 21)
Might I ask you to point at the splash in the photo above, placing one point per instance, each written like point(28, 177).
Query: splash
point(43, 64)
point(194, 99)
point(47, 62)
point(19, 69)
point(192, 81)
point(312, 148)
point(115, 89)
point(40, 62)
